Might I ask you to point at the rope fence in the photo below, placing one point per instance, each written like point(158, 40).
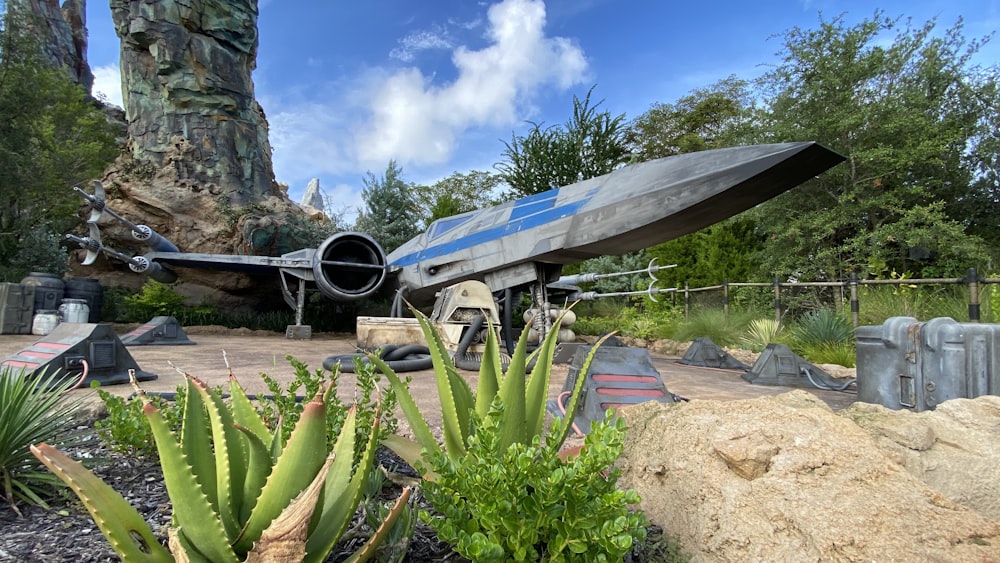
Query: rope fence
point(847, 289)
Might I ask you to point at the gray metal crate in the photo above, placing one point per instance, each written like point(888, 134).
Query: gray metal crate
point(17, 306)
point(905, 363)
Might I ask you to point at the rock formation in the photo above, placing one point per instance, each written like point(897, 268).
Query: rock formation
point(63, 36)
point(196, 165)
point(784, 478)
point(189, 96)
point(314, 196)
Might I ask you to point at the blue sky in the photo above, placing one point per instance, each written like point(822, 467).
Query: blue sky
point(437, 85)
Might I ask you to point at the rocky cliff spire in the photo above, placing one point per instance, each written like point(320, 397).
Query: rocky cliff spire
point(189, 97)
point(63, 34)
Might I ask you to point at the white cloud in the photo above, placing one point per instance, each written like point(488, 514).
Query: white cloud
point(360, 122)
point(108, 82)
point(415, 120)
point(418, 41)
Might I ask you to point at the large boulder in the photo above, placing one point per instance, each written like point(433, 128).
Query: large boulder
point(954, 448)
point(784, 478)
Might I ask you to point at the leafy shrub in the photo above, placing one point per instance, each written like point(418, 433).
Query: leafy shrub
point(760, 333)
point(283, 407)
point(712, 323)
point(823, 326)
point(154, 299)
point(501, 494)
point(33, 409)
point(126, 430)
point(524, 503)
point(841, 354)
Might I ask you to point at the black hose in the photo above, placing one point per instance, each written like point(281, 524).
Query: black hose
point(508, 320)
point(461, 360)
point(825, 385)
point(412, 357)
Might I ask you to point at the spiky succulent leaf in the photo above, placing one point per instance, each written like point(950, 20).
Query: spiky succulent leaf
point(121, 524)
point(245, 414)
point(369, 549)
point(537, 390)
point(418, 425)
point(259, 466)
point(301, 458)
point(229, 456)
point(339, 501)
point(453, 392)
point(563, 430)
point(490, 372)
point(192, 512)
point(196, 443)
point(512, 390)
point(285, 538)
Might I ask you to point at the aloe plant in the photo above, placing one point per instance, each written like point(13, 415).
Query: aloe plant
point(523, 391)
point(236, 493)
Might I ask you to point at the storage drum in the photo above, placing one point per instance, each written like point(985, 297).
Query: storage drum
point(74, 311)
point(45, 321)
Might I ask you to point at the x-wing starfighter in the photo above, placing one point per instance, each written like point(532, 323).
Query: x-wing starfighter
point(518, 244)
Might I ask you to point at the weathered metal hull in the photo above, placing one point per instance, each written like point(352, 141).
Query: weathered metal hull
point(627, 210)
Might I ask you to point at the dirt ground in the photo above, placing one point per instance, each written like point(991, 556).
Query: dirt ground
point(251, 353)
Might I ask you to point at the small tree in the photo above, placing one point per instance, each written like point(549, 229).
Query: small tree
point(589, 144)
point(52, 136)
point(456, 194)
point(390, 215)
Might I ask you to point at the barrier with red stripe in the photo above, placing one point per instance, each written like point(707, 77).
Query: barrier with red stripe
point(71, 345)
point(618, 376)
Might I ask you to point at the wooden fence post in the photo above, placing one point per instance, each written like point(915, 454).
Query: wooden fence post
point(973, 280)
point(855, 309)
point(725, 298)
point(777, 299)
point(687, 302)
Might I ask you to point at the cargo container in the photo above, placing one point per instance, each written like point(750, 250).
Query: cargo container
point(908, 364)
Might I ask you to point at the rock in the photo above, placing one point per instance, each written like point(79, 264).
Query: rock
point(196, 166)
point(313, 198)
point(189, 96)
point(955, 448)
point(784, 478)
point(64, 37)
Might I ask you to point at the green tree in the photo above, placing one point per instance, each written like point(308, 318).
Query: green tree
point(909, 116)
point(709, 118)
point(718, 116)
point(726, 250)
point(456, 194)
point(390, 215)
point(590, 144)
point(52, 136)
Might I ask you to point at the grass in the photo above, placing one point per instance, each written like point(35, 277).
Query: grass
point(33, 409)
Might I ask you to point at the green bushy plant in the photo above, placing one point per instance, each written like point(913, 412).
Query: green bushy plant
point(525, 503)
point(282, 409)
point(823, 326)
point(841, 354)
point(712, 323)
point(154, 299)
point(824, 336)
point(760, 333)
point(125, 429)
point(33, 408)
